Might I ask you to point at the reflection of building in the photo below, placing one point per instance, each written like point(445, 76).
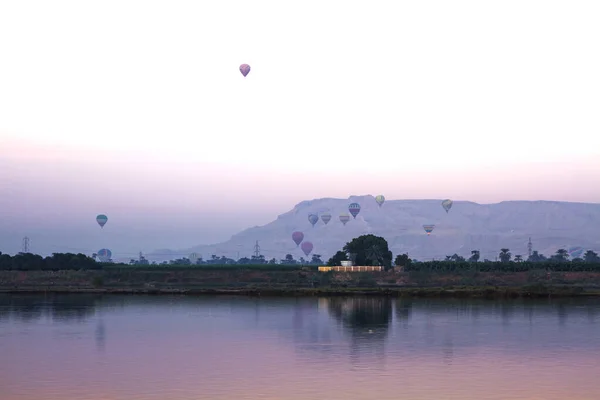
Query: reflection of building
point(355, 268)
point(366, 320)
point(323, 303)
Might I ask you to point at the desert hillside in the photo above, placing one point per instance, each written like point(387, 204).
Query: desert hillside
point(467, 226)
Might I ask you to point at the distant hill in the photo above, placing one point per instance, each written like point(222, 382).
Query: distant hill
point(468, 226)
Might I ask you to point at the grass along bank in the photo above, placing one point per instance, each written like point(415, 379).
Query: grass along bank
point(303, 281)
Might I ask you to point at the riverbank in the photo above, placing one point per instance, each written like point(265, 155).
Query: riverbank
point(301, 282)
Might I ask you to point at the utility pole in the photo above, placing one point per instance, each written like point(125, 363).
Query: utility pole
point(256, 250)
point(25, 245)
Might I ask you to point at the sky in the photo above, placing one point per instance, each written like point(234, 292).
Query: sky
point(138, 110)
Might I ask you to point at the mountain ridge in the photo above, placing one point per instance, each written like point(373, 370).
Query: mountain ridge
point(467, 226)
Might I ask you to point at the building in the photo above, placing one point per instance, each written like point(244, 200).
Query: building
point(351, 268)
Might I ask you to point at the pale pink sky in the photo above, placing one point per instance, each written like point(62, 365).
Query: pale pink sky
point(143, 115)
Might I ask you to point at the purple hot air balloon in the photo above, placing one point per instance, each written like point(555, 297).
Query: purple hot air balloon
point(297, 237)
point(244, 69)
point(354, 209)
point(306, 247)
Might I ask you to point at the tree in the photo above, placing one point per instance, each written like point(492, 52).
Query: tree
point(474, 256)
point(504, 255)
point(591, 257)
point(273, 261)
point(456, 258)
point(258, 259)
point(561, 255)
point(289, 259)
point(518, 258)
point(402, 260)
point(337, 258)
point(370, 250)
point(316, 259)
point(536, 257)
point(179, 261)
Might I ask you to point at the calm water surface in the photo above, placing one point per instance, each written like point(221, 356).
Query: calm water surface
point(79, 347)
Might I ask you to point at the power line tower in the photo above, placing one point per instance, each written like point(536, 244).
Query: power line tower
point(256, 250)
point(529, 247)
point(25, 245)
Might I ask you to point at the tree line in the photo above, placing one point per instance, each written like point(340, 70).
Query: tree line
point(369, 250)
point(216, 260)
point(55, 262)
point(70, 261)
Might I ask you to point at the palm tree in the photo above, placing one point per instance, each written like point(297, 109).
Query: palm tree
point(561, 255)
point(505, 255)
point(518, 258)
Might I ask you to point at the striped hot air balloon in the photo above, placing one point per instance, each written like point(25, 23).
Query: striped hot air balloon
point(326, 218)
point(428, 229)
point(380, 200)
point(104, 255)
point(344, 218)
point(575, 251)
point(447, 204)
point(354, 209)
point(101, 219)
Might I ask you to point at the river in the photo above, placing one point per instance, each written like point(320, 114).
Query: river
point(80, 347)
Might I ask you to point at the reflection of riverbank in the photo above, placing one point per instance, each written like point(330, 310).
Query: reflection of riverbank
point(573, 291)
point(355, 314)
point(150, 347)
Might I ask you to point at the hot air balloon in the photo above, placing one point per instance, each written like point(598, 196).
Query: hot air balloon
point(354, 209)
point(313, 219)
point(575, 251)
point(104, 255)
point(428, 229)
point(326, 218)
point(306, 247)
point(380, 200)
point(447, 204)
point(344, 218)
point(297, 237)
point(244, 69)
point(101, 220)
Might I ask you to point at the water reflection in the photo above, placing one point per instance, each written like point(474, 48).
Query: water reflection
point(29, 308)
point(404, 310)
point(180, 347)
point(100, 336)
point(366, 320)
